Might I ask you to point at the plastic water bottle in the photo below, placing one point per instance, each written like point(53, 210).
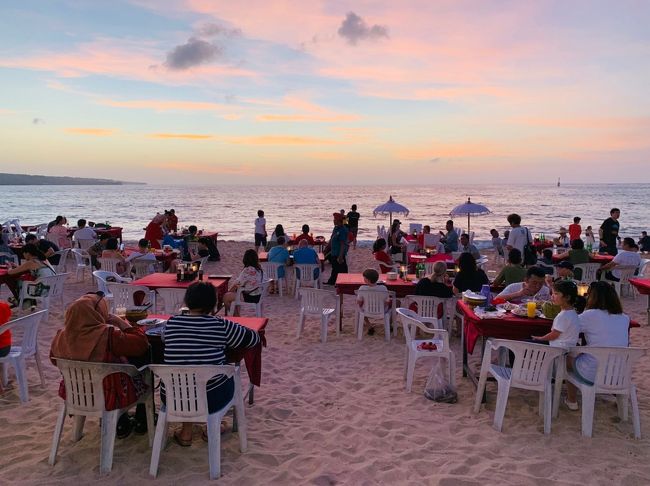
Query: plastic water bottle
point(485, 291)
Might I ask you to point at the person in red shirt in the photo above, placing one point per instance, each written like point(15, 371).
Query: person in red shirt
point(575, 229)
point(386, 263)
point(5, 337)
point(305, 236)
point(426, 230)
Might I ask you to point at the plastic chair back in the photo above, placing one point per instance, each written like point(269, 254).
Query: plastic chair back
point(430, 241)
point(85, 243)
point(588, 271)
point(109, 264)
point(614, 371)
point(374, 303)
point(123, 294)
point(29, 325)
point(313, 300)
point(141, 267)
point(173, 299)
point(428, 308)
point(415, 227)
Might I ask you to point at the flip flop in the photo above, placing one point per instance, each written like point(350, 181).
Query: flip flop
point(180, 441)
point(204, 432)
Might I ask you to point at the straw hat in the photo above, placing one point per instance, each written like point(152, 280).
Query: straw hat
point(562, 230)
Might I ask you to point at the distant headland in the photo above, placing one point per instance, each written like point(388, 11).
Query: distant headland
point(41, 180)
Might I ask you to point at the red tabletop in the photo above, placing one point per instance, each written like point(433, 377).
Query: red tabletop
point(168, 281)
point(642, 285)
point(161, 256)
point(251, 356)
point(347, 283)
point(506, 327)
point(541, 245)
point(438, 257)
point(593, 258)
point(113, 232)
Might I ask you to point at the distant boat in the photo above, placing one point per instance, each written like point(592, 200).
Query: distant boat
point(558, 182)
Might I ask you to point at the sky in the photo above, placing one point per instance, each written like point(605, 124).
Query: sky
point(326, 92)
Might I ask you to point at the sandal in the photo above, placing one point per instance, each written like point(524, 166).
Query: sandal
point(124, 426)
point(371, 331)
point(180, 441)
point(204, 432)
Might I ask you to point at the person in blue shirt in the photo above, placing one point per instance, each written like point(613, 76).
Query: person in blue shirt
point(306, 255)
point(450, 240)
point(280, 254)
point(339, 248)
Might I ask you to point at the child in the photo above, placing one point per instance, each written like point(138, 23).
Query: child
point(546, 262)
point(370, 278)
point(566, 325)
point(260, 230)
point(497, 244)
point(589, 237)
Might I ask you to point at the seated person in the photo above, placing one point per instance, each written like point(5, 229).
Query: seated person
point(531, 288)
point(469, 277)
point(48, 248)
point(112, 251)
point(435, 285)
point(305, 255)
point(370, 279)
point(576, 255)
point(426, 230)
point(644, 242)
point(305, 236)
point(84, 232)
point(280, 254)
point(628, 256)
point(562, 241)
point(59, 233)
point(564, 271)
point(143, 254)
point(396, 242)
point(249, 280)
point(467, 247)
point(386, 263)
point(513, 271)
point(497, 244)
point(97, 249)
point(190, 237)
point(201, 338)
point(33, 267)
point(450, 240)
point(546, 262)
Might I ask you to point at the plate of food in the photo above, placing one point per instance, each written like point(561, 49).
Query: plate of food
point(522, 311)
point(507, 306)
point(489, 311)
point(151, 322)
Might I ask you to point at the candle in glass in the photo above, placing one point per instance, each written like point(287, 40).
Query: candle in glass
point(583, 288)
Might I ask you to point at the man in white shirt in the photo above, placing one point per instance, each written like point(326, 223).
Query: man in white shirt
point(519, 235)
point(629, 256)
point(531, 288)
point(467, 247)
point(84, 232)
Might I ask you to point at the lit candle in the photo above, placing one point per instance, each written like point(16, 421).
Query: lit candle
point(583, 288)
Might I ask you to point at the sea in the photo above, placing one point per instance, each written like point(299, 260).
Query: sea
point(231, 210)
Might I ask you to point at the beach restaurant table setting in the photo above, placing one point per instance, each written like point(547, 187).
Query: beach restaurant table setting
point(213, 235)
point(251, 356)
point(166, 257)
point(643, 286)
point(264, 257)
point(169, 281)
point(601, 258)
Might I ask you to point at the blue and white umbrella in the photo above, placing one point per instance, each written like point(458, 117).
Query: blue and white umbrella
point(470, 209)
point(390, 207)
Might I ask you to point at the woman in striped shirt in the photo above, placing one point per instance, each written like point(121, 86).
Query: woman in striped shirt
point(200, 338)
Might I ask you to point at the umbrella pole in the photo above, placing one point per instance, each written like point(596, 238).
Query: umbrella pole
point(390, 218)
point(467, 224)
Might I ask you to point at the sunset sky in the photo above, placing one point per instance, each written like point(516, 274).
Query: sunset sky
point(278, 91)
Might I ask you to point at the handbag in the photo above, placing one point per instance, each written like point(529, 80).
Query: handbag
point(120, 389)
point(530, 255)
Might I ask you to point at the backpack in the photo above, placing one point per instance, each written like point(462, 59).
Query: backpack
point(530, 254)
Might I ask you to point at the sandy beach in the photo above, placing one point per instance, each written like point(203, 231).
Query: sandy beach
point(337, 413)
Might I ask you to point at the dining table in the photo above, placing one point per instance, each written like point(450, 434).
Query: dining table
point(166, 257)
point(643, 286)
point(155, 281)
point(213, 235)
point(112, 232)
point(601, 258)
point(251, 356)
point(263, 256)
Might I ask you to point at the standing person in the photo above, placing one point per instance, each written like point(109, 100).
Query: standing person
point(644, 242)
point(589, 236)
point(339, 248)
point(575, 229)
point(260, 229)
point(450, 240)
point(172, 221)
point(519, 235)
point(608, 232)
point(154, 232)
point(353, 224)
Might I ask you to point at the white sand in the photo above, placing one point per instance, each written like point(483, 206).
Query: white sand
point(338, 414)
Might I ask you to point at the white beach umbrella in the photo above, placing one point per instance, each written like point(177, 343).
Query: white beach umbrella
point(390, 207)
point(470, 209)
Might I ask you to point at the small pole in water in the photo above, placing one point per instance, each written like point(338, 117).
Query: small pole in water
point(558, 182)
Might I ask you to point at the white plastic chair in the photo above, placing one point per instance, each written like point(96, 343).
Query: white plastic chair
point(55, 284)
point(588, 270)
point(428, 309)
point(85, 398)
point(193, 247)
point(172, 299)
point(239, 303)
point(270, 270)
point(85, 243)
point(373, 307)
point(625, 272)
point(27, 348)
point(61, 267)
point(411, 246)
point(83, 262)
point(440, 337)
point(613, 377)
point(644, 268)
point(123, 295)
point(187, 401)
point(101, 277)
point(110, 264)
point(141, 267)
point(532, 370)
point(306, 278)
point(313, 303)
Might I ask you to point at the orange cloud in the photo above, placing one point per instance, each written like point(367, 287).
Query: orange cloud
point(610, 123)
point(164, 105)
point(205, 169)
point(97, 132)
point(309, 112)
point(186, 136)
point(307, 118)
point(279, 140)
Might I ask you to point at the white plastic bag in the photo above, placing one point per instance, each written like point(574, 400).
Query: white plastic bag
point(438, 387)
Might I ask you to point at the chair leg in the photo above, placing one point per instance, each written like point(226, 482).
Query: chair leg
point(5, 373)
point(301, 324)
point(588, 403)
point(480, 389)
point(323, 329)
point(150, 411)
point(387, 327)
point(77, 431)
point(452, 370)
point(621, 405)
point(23, 389)
point(636, 420)
point(360, 326)
point(410, 371)
point(158, 441)
point(548, 408)
point(242, 427)
point(214, 445)
point(39, 366)
point(56, 438)
point(560, 366)
point(109, 425)
point(503, 390)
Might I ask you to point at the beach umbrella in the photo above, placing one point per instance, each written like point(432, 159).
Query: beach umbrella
point(470, 209)
point(390, 207)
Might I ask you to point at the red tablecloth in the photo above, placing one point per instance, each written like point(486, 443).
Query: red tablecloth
point(541, 245)
point(507, 327)
point(168, 281)
point(347, 283)
point(593, 258)
point(113, 232)
point(251, 356)
point(438, 257)
point(642, 285)
point(165, 257)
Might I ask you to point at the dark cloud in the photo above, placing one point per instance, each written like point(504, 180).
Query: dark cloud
point(435, 160)
point(213, 30)
point(38, 121)
point(193, 53)
point(355, 29)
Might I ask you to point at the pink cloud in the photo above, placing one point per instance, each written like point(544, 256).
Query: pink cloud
point(97, 132)
point(165, 105)
point(183, 136)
